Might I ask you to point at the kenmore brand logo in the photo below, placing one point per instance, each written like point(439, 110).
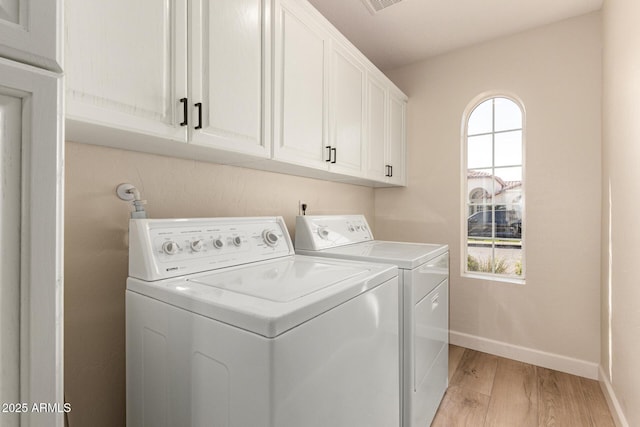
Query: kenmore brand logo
point(172, 268)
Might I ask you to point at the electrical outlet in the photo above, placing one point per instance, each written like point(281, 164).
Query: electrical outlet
point(302, 207)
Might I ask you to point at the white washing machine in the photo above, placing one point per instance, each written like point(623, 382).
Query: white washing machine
point(226, 326)
point(424, 297)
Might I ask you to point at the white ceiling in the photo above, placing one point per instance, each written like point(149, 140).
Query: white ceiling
point(412, 30)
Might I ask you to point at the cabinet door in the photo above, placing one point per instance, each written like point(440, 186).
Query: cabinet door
point(300, 91)
point(30, 33)
point(376, 129)
point(346, 111)
point(397, 139)
point(125, 64)
point(31, 230)
point(228, 86)
point(10, 184)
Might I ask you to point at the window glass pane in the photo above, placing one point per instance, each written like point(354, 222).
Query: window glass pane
point(507, 115)
point(510, 174)
point(479, 151)
point(479, 258)
point(481, 119)
point(480, 222)
point(512, 260)
point(508, 148)
point(479, 195)
point(509, 189)
point(480, 186)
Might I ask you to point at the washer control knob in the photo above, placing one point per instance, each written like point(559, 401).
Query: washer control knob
point(218, 243)
point(270, 237)
point(351, 228)
point(323, 232)
point(170, 247)
point(197, 245)
point(237, 241)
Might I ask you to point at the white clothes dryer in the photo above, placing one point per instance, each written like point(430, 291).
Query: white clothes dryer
point(424, 297)
point(226, 326)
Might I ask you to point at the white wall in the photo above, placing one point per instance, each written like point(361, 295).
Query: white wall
point(96, 254)
point(556, 72)
point(621, 205)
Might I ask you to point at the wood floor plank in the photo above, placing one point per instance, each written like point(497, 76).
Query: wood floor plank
point(461, 407)
point(560, 400)
point(487, 390)
point(514, 397)
point(476, 372)
point(598, 409)
point(455, 355)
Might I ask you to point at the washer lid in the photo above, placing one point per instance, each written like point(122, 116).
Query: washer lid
point(404, 255)
point(271, 297)
point(283, 281)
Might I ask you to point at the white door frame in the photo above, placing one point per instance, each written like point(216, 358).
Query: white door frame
point(41, 283)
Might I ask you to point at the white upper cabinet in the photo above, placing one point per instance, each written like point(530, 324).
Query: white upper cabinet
point(28, 32)
point(300, 87)
point(386, 133)
point(346, 109)
point(126, 65)
point(127, 69)
point(267, 84)
point(377, 125)
point(396, 156)
point(228, 87)
point(319, 97)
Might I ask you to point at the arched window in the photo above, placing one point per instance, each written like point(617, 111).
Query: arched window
point(493, 171)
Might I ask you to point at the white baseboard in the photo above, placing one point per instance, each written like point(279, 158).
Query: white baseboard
point(557, 362)
point(612, 400)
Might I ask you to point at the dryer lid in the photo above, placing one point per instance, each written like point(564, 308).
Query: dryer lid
point(269, 298)
point(404, 255)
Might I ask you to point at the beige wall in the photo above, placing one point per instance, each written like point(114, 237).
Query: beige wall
point(96, 253)
point(556, 72)
point(621, 205)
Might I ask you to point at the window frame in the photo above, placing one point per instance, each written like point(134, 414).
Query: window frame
point(464, 205)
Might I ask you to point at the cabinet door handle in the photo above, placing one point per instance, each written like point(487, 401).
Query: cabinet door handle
point(390, 170)
point(199, 107)
point(185, 110)
point(329, 159)
point(335, 154)
point(386, 173)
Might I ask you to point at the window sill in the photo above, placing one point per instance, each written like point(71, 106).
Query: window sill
point(494, 278)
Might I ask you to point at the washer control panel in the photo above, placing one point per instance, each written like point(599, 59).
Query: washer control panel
point(316, 232)
point(160, 249)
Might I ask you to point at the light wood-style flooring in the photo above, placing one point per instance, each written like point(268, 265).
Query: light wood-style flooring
point(486, 390)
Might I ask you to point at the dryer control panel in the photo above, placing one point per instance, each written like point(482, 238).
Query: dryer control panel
point(316, 232)
point(164, 248)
